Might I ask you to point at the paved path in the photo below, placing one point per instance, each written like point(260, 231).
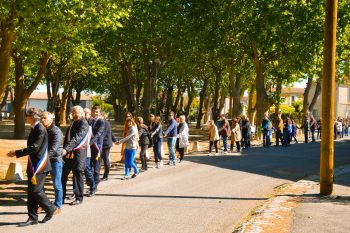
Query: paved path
point(203, 194)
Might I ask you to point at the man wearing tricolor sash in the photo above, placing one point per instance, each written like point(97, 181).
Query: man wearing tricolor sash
point(37, 168)
point(96, 142)
point(74, 152)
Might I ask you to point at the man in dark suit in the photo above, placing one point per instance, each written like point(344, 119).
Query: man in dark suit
point(108, 140)
point(96, 143)
point(74, 152)
point(37, 168)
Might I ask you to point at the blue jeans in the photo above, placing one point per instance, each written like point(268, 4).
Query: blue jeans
point(266, 138)
point(89, 174)
point(156, 148)
point(129, 157)
point(171, 146)
point(56, 174)
point(224, 140)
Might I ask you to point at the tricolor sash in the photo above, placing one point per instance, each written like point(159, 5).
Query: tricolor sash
point(40, 166)
point(70, 155)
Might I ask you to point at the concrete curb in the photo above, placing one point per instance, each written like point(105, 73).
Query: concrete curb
point(274, 215)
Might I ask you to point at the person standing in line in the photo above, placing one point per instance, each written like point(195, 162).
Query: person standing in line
point(131, 145)
point(266, 128)
point(225, 132)
point(279, 130)
point(74, 152)
point(89, 176)
point(213, 137)
point(171, 135)
point(319, 129)
point(306, 127)
point(157, 136)
point(294, 132)
point(55, 140)
point(96, 143)
point(182, 137)
point(125, 132)
point(144, 142)
point(37, 169)
point(236, 134)
point(108, 140)
point(246, 132)
point(313, 127)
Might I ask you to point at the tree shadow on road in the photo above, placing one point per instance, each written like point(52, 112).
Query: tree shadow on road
point(292, 163)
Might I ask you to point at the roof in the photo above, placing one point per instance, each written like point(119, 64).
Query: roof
point(43, 96)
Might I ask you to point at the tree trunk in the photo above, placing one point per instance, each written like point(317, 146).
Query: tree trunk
point(7, 39)
point(4, 100)
point(251, 104)
point(278, 97)
point(262, 101)
point(191, 92)
point(316, 94)
point(306, 95)
point(169, 99)
point(64, 100)
point(147, 98)
point(215, 109)
point(202, 95)
point(22, 94)
point(236, 103)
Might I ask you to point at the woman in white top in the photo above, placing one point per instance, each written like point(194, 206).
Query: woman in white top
point(131, 145)
point(182, 137)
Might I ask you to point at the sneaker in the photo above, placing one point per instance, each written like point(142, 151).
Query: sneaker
point(161, 164)
point(57, 211)
point(157, 165)
point(217, 153)
point(134, 175)
point(125, 178)
point(210, 154)
point(225, 152)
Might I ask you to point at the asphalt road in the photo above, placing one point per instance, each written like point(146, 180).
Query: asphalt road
point(202, 194)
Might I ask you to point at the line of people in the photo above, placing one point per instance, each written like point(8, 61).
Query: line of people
point(86, 145)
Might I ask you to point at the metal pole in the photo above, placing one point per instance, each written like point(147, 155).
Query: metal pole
point(328, 90)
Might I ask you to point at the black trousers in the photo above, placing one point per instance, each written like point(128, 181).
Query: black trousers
point(143, 157)
point(78, 180)
point(279, 137)
point(106, 162)
point(180, 150)
point(238, 145)
point(37, 197)
point(96, 165)
point(215, 143)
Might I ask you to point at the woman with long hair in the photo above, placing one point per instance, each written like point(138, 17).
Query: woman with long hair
point(131, 145)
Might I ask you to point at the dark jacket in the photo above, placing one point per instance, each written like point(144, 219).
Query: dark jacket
point(98, 127)
point(108, 138)
point(143, 135)
point(37, 144)
point(157, 134)
point(77, 133)
point(225, 130)
point(55, 141)
point(171, 131)
point(246, 128)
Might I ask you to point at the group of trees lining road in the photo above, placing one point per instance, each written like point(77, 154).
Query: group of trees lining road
point(146, 54)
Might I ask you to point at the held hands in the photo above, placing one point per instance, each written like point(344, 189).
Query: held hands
point(64, 152)
point(11, 154)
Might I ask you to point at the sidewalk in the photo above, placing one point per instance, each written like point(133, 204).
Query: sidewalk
point(298, 208)
point(324, 213)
